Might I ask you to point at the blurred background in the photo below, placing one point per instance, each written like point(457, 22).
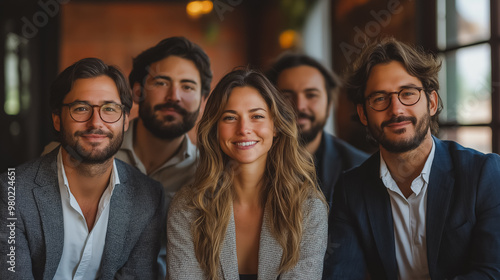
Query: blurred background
point(38, 39)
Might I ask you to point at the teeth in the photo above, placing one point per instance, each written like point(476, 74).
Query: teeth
point(244, 144)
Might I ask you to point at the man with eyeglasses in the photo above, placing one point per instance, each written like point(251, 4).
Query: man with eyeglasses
point(169, 81)
point(79, 213)
point(421, 208)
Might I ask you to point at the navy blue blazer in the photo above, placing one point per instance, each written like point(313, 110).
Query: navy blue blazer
point(337, 156)
point(462, 220)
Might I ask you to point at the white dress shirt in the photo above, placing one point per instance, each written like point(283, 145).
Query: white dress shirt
point(82, 250)
point(408, 216)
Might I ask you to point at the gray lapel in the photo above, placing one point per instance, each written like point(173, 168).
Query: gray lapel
point(48, 201)
point(439, 192)
point(270, 251)
point(228, 256)
point(120, 212)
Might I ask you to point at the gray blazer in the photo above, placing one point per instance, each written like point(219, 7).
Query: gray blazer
point(136, 219)
point(182, 262)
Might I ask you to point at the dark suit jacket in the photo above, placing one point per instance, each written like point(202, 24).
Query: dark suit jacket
point(337, 156)
point(462, 220)
point(136, 219)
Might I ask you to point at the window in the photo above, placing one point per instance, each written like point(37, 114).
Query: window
point(467, 45)
point(17, 75)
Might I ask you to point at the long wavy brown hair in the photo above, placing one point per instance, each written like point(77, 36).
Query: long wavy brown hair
point(289, 178)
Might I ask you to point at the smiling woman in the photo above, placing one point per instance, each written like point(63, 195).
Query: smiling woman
point(246, 129)
point(254, 210)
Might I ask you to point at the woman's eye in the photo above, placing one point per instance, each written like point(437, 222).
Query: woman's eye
point(228, 118)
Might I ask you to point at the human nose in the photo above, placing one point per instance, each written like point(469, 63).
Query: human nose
point(173, 93)
point(244, 127)
point(301, 103)
point(395, 106)
point(95, 118)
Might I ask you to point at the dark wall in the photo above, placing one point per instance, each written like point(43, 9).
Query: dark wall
point(354, 23)
point(34, 29)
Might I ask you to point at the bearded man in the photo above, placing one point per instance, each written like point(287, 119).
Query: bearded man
point(421, 208)
point(77, 212)
point(169, 81)
point(310, 88)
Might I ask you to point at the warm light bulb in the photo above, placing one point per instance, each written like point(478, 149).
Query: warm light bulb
point(288, 38)
point(207, 6)
point(194, 9)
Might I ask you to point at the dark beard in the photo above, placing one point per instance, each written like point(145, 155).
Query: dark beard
point(305, 137)
point(77, 152)
point(161, 128)
point(397, 147)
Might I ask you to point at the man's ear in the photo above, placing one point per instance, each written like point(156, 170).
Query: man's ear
point(433, 102)
point(334, 100)
point(329, 108)
point(361, 114)
point(137, 92)
point(56, 122)
point(126, 122)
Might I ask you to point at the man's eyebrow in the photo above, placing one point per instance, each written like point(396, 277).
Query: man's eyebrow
point(170, 79)
point(162, 77)
point(410, 86)
point(88, 102)
point(401, 87)
point(189, 81)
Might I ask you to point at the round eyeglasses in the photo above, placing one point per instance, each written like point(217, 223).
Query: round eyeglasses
point(380, 101)
point(82, 111)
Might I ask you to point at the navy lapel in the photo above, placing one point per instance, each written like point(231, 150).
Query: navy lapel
point(331, 164)
point(439, 192)
point(120, 213)
point(378, 206)
point(48, 201)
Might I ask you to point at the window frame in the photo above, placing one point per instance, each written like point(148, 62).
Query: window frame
point(427, 37)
